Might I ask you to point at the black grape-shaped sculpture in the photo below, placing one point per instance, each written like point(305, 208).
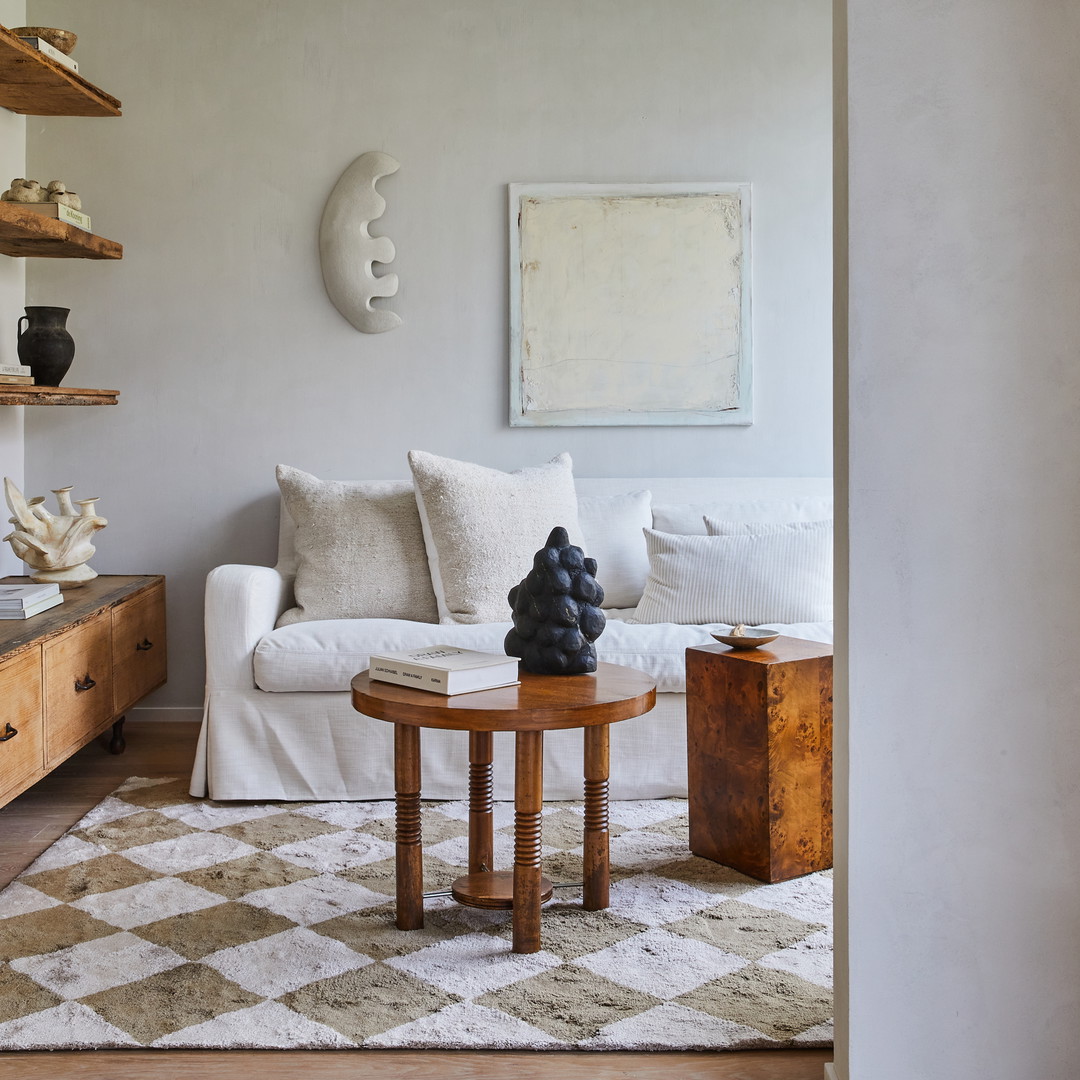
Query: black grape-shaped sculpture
point(556, 611)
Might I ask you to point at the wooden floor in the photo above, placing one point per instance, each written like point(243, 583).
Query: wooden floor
point(30, 823)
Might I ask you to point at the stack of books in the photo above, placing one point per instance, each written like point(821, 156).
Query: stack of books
point(24, 601)
point(60, 212)
point(445, 669)
point(51, 52)
point(15, 373)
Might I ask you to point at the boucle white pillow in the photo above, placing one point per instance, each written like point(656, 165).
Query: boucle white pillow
point(483, 526)
point(611, 525)
point(360, 550)
point(755, 574)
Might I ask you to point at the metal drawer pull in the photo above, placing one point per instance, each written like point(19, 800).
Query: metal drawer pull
point(9, 733)
point(86, 684)
point(145, 644)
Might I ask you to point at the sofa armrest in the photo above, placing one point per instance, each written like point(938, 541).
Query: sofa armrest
point(242, 605)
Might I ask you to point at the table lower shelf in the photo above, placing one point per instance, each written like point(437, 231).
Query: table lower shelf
point(492, 889)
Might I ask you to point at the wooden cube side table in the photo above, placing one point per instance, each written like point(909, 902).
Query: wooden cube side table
point(759, 745)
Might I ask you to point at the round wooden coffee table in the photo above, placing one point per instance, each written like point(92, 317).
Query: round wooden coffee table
point(539, 703)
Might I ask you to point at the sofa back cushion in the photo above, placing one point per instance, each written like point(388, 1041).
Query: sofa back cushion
point(612, 528)
point(688, 519)
point(482, 527)
point(359, 550)
point(755, 573)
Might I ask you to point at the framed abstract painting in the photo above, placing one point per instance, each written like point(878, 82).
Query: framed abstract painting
point(630, 304)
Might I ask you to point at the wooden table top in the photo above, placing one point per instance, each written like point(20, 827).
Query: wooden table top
point(537, 703)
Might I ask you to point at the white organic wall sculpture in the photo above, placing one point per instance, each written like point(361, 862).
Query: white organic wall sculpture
point(56, 547)
point(347, 249)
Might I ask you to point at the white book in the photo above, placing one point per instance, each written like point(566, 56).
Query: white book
point(33, 609)
point(15, 369)
point(59, 211)
point(21, 596)
point(51, 51)
point(445, 669)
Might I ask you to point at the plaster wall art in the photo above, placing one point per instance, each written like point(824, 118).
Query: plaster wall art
point(347, 250)
point(630, 304)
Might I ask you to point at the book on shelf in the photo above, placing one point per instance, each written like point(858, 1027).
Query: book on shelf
point(59, 211)
point(20, 596)
point(33, 609)
point(15, 369)
point(445, 669)
point(21, 380)
point(52, 52)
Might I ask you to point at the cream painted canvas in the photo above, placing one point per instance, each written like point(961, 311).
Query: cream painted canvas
point(630, 304)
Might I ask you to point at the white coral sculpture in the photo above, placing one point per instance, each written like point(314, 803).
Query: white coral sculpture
point(55, 546)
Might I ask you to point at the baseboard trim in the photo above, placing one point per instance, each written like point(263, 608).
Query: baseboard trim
point(830, 1071)
point(174, 715)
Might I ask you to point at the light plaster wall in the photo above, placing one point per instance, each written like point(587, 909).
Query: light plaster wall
point(239, 118)
point(12, 289)
point(964, 857)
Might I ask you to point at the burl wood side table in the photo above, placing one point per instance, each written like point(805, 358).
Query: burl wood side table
point(759, 746)
point(539, 703)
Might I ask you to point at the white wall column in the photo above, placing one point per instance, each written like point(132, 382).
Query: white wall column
point(12, 291)
point(963, 855)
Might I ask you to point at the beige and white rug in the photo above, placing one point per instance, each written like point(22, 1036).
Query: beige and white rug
point(166, 921)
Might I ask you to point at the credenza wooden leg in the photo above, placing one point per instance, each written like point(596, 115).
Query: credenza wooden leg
point(409, 856)
point(528, 804)
point(597, 874)
point(117, 743)
point(481, 841)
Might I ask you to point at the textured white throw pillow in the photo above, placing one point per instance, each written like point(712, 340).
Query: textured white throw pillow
point(611, 525)
point(483, 526)
point(754, 573)
point(360, 550)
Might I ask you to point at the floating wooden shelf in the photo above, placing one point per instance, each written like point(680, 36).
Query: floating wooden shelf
point(14, 394)
point(37, 86)
point(25, 233)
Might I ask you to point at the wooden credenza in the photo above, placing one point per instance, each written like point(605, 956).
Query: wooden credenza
point(69, 673)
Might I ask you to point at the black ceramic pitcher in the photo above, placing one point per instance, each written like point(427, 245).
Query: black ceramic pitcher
point(45, 345)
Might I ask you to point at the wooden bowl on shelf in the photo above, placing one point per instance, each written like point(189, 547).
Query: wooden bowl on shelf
point(64, 40)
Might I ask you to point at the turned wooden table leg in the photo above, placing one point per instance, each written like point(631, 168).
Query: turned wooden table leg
point(481, 841)
point(409, 861)
point(528, 803)
point(597, 873)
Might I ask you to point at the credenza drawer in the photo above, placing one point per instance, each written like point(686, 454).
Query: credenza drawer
point(78, 686)
point(22, 747)
point(138, 650)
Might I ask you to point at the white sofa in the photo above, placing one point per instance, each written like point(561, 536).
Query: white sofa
point(278, 723)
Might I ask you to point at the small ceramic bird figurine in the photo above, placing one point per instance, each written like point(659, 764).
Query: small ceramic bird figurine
point(58, 193)
point(24, 191)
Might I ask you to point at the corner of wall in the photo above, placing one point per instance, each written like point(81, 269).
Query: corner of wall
point(12, 292)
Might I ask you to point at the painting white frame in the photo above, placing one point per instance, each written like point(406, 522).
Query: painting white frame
point(589, 343)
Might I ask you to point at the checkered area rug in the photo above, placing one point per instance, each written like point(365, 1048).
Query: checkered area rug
point(166, 921)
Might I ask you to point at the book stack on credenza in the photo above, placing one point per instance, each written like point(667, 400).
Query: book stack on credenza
point(25, 601)
point(15, 374)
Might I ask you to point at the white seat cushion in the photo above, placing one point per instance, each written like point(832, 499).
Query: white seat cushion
point(324, 656)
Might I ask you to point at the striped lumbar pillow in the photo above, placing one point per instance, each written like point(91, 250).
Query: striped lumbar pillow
point(741, 573)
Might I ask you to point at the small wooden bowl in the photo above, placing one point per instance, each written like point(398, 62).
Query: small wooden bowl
point(64, 40)
point(750, 640)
